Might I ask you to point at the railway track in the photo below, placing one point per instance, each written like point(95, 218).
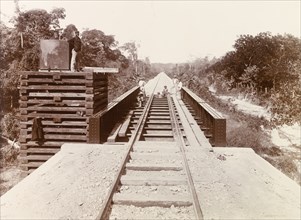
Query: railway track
point(157, 126)
point(154, 180)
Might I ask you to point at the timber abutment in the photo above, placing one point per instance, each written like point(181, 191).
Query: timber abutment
point(56, 107)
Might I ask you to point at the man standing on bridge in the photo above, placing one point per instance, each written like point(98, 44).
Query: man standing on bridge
point(75, 46)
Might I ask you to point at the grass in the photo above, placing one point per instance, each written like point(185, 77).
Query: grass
point(9, 163)
point(247, 133)
point(286, 165)
point(3, 187)
point(8, 156)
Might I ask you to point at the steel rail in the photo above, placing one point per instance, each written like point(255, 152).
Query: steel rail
point(103, 214)
point(180, 141)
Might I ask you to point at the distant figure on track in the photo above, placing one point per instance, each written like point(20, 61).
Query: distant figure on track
point(141, 95)
point(165, 91)
point(178, 90)
point(140, 99)
point(141, 83)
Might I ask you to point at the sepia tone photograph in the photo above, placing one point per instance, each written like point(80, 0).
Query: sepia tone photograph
point(150, 109)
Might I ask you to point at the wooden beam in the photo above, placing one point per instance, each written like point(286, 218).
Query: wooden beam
point(153, 167)
point(157, 181)
point(100, 70)
point(114, 134)
point(153, 200)
point(125, 125)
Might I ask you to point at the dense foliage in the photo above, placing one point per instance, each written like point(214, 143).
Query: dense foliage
point(20, 52)
point(264, 66)
point(20, 48)
point(96, 50)
point(286, 102)
point(262, 61)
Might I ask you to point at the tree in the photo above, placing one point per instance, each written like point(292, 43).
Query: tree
point(132, 50)
point(30, 27)
point(286, 64)
point(270, 62)
point(285, 103)
point(20, 45)
point(248, 76)
point(97, 49)
point(38, 24)
point(275, 58)
point(6, 34)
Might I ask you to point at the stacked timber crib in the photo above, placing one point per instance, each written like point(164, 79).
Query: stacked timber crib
point(63, 102)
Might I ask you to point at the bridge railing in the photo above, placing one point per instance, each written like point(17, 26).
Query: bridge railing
point(102, 122)
point(211, 122)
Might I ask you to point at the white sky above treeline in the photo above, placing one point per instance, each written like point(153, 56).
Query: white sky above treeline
point(174, 31)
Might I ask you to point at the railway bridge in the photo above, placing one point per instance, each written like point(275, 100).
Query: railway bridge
point(167, 159)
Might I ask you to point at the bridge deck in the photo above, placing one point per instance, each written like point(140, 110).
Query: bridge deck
point(70, 185)
point(231, 183)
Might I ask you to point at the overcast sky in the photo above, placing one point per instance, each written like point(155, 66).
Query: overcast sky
point(175, 31)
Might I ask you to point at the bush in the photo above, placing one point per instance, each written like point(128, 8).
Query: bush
point(285, 104)
point(286, 165)
point(244, 136)
point(249, 134)
point(8, 155)
point(10, 126)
